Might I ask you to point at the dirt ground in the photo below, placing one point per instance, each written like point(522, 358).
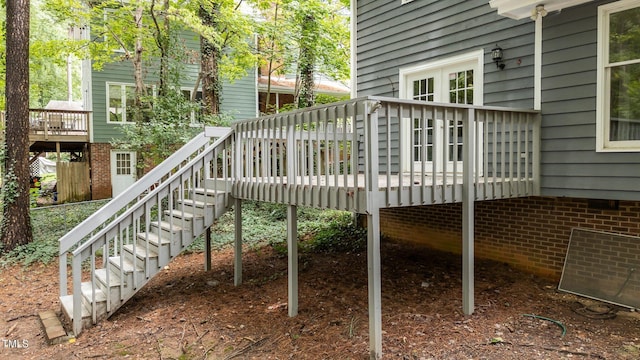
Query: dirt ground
point(187, 313)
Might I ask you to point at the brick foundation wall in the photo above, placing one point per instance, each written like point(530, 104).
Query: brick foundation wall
point(100, 171)
point(531, 234)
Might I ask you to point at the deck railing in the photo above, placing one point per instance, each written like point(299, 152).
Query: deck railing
point(308, 157)
point(424, 147)
point(414, 152)
point(45, 123)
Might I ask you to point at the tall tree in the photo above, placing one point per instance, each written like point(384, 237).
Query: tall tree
point(306, 38)
point(16, 223)
point(226, 33)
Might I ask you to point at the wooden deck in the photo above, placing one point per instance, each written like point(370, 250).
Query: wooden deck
point(348, 192)
point(360, 155)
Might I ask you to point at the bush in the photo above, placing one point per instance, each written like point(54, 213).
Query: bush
point(49, 224)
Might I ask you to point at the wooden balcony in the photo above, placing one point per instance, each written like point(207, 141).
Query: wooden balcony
point(52, 130)
point(56, 130)
point(385, 152)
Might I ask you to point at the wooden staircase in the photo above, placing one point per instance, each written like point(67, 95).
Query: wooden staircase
point(122, 246)
point(120, 277)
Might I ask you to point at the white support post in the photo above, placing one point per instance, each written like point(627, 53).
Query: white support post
point(468, 198)
point(207, 250)
point(237, 259)
point(375, 284)
point(292, 251)
point(373, 230)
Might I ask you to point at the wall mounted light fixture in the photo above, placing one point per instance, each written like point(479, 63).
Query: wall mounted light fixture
point(496, 56)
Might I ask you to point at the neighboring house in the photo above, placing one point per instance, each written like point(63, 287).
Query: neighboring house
point(564, 64)
point(107, 93)
point(282, 90)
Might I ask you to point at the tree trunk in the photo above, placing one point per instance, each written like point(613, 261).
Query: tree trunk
point(209, 58)
point(137, 70)
point(16, 223)
point(163, 40)
point(307, 61)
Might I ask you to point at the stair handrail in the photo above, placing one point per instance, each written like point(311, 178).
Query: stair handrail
point(130, 196)
point(84, 246)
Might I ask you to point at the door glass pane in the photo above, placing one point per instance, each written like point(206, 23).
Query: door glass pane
point(123, 164)
point(423, 89)
point(461, 87)
point(624, 107)
point(422, 133)
point(455, 129)
point(624, 35)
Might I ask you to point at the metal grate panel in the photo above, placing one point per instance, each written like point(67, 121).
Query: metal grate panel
point(603, 266)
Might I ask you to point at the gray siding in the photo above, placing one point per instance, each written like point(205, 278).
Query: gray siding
point(392, 36)
point(570, 165)
point(240, 97)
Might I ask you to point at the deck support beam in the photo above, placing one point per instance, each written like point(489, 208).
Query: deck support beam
point(207, 250)
point(292, 251)
point(468, 199)
point(375, 284)
point(237, 244)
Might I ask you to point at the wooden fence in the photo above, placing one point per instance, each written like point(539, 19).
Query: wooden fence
point(73, 181)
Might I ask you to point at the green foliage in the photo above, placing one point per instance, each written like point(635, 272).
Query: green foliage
point(49, 224)
point(266, 223)
point(337, 233)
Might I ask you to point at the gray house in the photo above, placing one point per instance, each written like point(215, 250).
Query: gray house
point(106, 94)
point(492, 129)
point(577, 62)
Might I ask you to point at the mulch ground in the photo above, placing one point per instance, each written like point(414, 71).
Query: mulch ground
point(187, 313)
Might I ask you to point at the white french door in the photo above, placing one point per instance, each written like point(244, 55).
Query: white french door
point(437, 142)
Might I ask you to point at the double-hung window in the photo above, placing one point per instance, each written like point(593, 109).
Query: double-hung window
point(618, 106)
point(119, 99)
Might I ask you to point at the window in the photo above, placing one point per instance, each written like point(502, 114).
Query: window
point(618, 106)
point(119, 98)
point(195, 115)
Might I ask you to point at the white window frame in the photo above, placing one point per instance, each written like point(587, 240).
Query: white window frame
point(193, 121)
point(603, 144)
point(435, 67)
point(123, 99)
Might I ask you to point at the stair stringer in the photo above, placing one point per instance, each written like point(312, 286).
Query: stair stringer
point(154, 250)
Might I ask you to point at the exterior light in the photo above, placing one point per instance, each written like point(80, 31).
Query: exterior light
point(496, 56)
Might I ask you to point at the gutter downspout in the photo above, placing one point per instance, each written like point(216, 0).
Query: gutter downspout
point(537, 14)
point(354, 43)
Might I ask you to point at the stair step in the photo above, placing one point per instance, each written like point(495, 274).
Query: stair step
point(195, 203)
point(127, 265)
point(141, 252)
point(210, 192)
point(87, 290)
point(67, 307)
point(153, 238)
point(166, 226)
point(114, 279)
point(180, 214)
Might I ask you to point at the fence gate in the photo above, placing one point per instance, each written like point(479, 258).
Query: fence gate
point(73, 181)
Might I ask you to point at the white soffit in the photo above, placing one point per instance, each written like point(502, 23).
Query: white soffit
point(522, 9)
